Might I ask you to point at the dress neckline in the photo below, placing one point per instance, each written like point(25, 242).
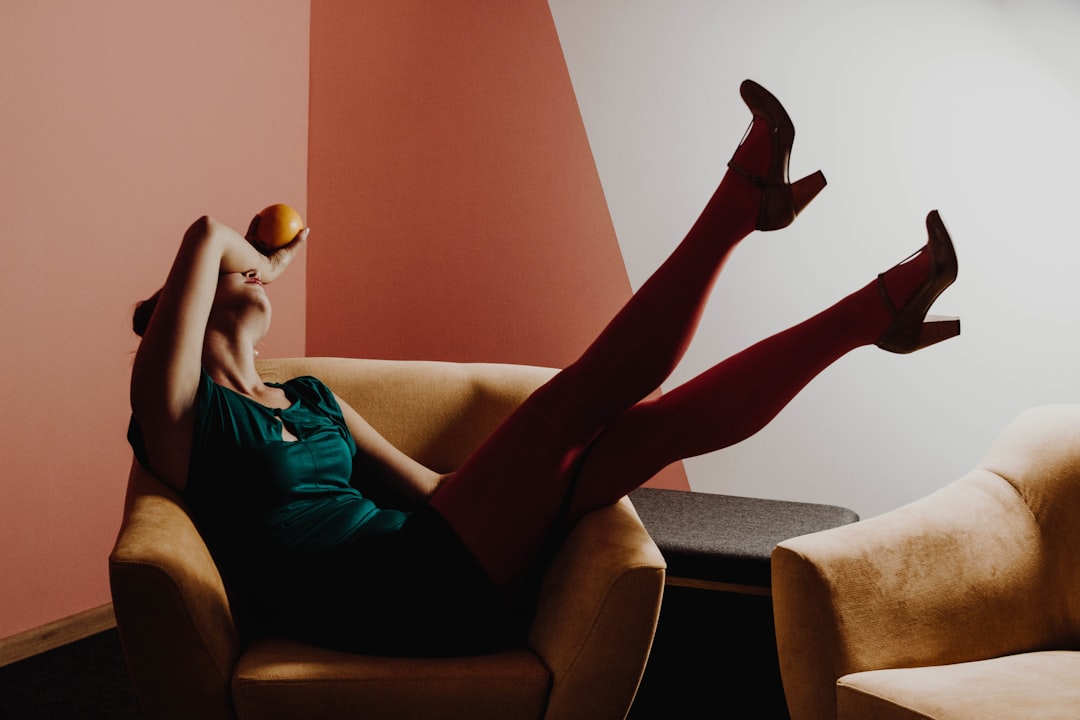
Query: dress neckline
point(290, 394)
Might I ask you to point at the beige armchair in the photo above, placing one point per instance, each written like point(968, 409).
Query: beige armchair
point(585, 653)
point(964, 604)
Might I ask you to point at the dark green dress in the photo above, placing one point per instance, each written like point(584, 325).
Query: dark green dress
point(305, 554)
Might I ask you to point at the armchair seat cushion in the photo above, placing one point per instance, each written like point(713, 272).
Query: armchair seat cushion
point(283, 679)
point(1040, 685)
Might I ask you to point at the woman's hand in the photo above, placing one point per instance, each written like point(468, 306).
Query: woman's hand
point(283, 256)
point(278, 259)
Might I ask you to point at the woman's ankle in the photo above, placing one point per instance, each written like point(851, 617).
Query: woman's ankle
point(900, 283)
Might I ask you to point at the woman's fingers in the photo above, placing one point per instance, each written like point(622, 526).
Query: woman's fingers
point(252, 231)
point(280, 258)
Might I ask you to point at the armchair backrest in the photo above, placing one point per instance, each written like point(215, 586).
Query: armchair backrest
point(1038, 454)
point(435, 412)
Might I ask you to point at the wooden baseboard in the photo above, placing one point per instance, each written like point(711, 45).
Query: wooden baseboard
point(718, 586)
point(55, 634)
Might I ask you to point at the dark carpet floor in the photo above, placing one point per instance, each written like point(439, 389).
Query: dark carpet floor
point(701, 660)
point(85, 679)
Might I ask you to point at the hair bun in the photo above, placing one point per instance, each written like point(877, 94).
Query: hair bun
point(140, 319)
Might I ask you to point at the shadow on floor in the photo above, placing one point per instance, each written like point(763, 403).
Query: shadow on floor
point(85, 679)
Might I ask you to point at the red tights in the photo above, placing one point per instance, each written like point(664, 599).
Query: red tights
point(589, 431)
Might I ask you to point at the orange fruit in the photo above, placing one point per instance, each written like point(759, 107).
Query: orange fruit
point(278, 226)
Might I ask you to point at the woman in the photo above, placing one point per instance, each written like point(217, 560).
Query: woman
point(278, 475)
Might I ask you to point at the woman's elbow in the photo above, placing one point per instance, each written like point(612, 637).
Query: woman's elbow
point(201, 228)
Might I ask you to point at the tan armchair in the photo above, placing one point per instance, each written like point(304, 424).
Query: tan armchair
point(585, 653)
point(964, 604)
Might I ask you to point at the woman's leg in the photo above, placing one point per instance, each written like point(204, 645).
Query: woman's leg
point(504, 500)
point(733, 400)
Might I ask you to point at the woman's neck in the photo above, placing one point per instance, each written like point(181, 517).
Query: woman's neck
point(230, 362)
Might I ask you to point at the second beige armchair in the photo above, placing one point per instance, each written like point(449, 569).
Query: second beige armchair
point(964, 605)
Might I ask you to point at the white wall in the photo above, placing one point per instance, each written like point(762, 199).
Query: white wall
point(968, 106)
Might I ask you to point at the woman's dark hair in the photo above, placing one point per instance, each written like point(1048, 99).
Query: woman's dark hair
point(140, 319)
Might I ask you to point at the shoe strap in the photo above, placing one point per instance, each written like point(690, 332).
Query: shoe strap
point(885, 294)
point(755, 179)
point(881, 280)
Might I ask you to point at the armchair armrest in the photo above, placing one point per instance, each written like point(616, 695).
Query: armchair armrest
point(598, 607)
point(172, 611)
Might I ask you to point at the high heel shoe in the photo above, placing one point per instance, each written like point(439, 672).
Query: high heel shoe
point(912, 329)
point(781, 200)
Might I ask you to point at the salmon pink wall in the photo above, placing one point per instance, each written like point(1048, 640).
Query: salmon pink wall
point(123, 121)
point(455, 205)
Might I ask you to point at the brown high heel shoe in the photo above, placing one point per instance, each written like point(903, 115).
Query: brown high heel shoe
point(912, 329)
point(781, 200)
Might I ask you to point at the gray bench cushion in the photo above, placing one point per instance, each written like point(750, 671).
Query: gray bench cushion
point(724, 538)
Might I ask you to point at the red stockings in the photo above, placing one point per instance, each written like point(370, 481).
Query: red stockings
point(588, 437)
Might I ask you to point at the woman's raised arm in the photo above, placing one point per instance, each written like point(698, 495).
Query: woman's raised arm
point(167, 367)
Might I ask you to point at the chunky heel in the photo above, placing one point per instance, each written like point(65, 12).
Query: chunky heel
point(805, 190)
point(781, 201)
point(935, 329)
point(912, 329)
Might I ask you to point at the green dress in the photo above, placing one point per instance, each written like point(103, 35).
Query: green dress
point(305, 554)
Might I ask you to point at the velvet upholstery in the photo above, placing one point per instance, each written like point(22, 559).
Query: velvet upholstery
point(1038, 685)
point(584, 655)
point(964, 604)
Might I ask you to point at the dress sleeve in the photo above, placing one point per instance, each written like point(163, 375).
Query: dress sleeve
point(317, 393)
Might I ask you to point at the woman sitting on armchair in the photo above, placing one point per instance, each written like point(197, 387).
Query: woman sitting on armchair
point(281, 478)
